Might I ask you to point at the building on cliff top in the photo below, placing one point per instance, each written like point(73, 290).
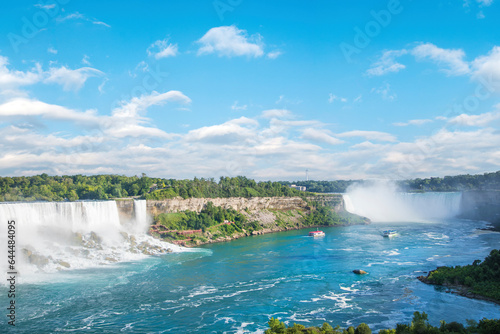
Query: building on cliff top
point(301, 188)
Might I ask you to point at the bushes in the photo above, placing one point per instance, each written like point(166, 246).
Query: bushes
point(210, 215)
point(482, 278)
point(419, 325)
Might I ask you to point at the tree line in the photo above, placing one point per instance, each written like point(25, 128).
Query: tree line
point(101, 187)
point(82, 187)
point(486, 181)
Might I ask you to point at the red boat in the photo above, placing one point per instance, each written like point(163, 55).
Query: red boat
point(316, 234)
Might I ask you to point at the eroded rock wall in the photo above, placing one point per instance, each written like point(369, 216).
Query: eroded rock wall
point(126, 208)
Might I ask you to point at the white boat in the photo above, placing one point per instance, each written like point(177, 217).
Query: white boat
point(316, 234)
point(389, 233)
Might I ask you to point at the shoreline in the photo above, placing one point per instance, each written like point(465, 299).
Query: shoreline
point(259, 232)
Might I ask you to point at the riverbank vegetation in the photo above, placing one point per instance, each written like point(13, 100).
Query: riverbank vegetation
point(479, 278)
point(419, 325)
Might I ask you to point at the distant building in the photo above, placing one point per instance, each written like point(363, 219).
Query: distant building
point(154, 186)
point(301, 188)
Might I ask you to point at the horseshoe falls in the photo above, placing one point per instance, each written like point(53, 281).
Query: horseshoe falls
point(382, 203)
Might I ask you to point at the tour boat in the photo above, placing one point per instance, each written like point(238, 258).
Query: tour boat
point(389, 233)
point(316, 234)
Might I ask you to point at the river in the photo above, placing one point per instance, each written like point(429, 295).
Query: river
point(237, 286)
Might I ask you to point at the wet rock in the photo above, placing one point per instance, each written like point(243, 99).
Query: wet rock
point(26, 252)
point(85, 252)
point(133, 240)
point(64, 264)
point(78, 238)
point(95, 238)
point(359, 272)
point(124, 235)
point(110, 259)
point(38, 260)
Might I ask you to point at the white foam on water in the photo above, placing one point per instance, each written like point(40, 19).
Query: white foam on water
point(202, 290)
point(241, 328)
point(59, 236)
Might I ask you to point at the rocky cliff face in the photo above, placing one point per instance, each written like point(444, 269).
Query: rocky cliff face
point(126, 208)
point(481, 205)
point(236, 203)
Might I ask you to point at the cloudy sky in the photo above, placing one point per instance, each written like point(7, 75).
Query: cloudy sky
point(267, 89)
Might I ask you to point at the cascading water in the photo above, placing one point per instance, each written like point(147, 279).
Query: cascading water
point(381, 202)
point(141, 216)
point(60, 235)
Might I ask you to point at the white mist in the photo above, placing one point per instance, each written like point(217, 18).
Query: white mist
point(380, 201)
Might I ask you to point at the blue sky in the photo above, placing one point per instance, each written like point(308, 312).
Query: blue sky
point(348, 90)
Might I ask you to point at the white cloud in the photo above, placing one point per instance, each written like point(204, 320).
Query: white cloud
point(80, 16)
point(28, 107)
point(485, 2)
point(101, 23)
point(237, 107)
point(276, 113)
point(319, 135)
point(452, 58)
point(11, 79)
point(46, 7)
point(386, 92)
point(387, 63)
point(417, 122)
point(370, 135)
point(101, 86)
point(85, 60)
point(52, 50)
point(230, 41)
point(476, 120)
point(332, 98)
point(241, 146)
point(71, 79)
point(136, 105)
point(233, 131)
point(486, 69)
point(163, 49)
point(274, 54)
point(72, 16)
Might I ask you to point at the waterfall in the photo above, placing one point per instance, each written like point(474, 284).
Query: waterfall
point(67, 235)
point(141, 216)
point(381, 202)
